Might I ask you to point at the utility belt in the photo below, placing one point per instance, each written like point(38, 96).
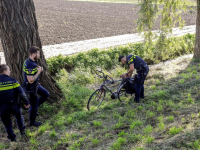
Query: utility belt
point(143, 69)
point(12, 102)
point(31, 88)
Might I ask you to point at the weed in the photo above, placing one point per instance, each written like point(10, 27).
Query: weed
point(74, 135)
point(59, 123)
point(130, 113)
point(193, 116)
point(81, 140)
point(107, 135)
point(148, 129)
point(190, 99)
point(170, 118)
point(117, 145)
point(140, 108)
point(197, 144)
point(135, 138)
point(161, 126)
point(119, 124)
point(42, 129)
point(139, 148)
point(135, 124)
point(149, 140)
point(121, 134)
point(181, 81)
point(185, 76)
point(159, 108)
point(95, 142)
point(57, 144)
point(28, 133)
point(2, 146)
point(158, 82)
point(170, 103)
point(159, 94)
point(153, 87)
point(174, 130)
point(150, 114)
point(97, 123)
point(194, 72)
point(107, 107)
point(160, 119)
point(34, 143)
point(53, 134)
point(189, 69)
point(153, 104)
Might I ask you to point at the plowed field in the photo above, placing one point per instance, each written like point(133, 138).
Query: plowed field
point(62, 21)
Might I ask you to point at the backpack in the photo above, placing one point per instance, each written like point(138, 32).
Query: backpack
point(129, 86)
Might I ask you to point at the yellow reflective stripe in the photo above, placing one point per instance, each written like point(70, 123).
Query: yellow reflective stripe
point(6, 88)
point(5, 85)
point(131, 59)
point(31, 69)
point(30, 72)
point(15, 85)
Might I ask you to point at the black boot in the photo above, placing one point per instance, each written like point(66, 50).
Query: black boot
point(136, 101)
point(34, 123)
point(12, 138)
point(37, 114)
point(22, 131)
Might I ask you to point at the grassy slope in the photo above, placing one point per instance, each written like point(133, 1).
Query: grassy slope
point(168, 117)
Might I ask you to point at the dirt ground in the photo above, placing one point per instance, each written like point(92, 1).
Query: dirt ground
point(62, 21)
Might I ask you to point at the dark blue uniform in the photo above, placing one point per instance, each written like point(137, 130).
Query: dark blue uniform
point(10, 90)
point(142, 71)
point(30, 69)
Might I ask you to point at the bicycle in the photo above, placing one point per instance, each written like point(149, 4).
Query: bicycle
point(98, 96)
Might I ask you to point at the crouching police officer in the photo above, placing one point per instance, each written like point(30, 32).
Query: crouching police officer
point(10, 91)
point(135, 62)
point(31, 72)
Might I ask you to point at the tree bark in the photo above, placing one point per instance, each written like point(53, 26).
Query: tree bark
point(19, 31)
point(197, 40)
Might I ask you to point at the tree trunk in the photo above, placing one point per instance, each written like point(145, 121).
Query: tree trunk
point(197, 41)
point(19, 31)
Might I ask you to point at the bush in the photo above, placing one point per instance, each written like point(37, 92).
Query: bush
point(108, 58)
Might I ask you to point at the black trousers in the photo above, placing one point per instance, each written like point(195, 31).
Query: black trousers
point(139, 84)
point(35, 102)
point(5, 113)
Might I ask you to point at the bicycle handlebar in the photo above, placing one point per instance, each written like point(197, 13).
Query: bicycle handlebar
point(106, 77)
point(112, 81)
point(100, 72)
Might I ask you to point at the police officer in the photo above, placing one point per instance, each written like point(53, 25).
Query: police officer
point(31, 72)
point(135, 62)
point(10, 91)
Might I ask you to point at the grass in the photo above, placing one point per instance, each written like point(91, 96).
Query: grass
point(169, 113)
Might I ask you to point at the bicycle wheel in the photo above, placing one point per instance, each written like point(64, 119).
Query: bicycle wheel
point(96, 99)
point(122, 94)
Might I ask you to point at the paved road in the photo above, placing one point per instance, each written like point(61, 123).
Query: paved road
point(101, 43)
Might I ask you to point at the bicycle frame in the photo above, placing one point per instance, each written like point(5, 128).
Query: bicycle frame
point(103, 86)
point(106, 80)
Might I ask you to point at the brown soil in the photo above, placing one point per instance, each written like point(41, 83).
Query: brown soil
point(62, 21)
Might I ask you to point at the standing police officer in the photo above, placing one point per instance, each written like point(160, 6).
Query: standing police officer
point(31, 72)
point(10, 91)
point(135, 62)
